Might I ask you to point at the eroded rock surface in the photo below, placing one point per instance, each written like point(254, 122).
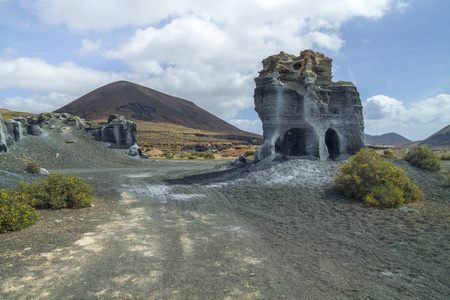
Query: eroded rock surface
point(119, 132)
point(303, 112)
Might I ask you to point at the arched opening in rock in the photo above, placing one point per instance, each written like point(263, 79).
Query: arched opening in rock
point(300, 142)
point(332, 142)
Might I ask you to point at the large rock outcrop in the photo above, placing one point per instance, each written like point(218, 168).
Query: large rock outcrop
point(119, 132)
point(303, 112)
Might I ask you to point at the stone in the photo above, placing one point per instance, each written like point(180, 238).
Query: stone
point(11, 132)
point(34, 129)
point(43, 171)
point(304, 113)
point(135, 150)
point(238, 162)
point(119, 132)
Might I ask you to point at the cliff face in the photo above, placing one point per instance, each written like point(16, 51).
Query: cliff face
point(303, 112)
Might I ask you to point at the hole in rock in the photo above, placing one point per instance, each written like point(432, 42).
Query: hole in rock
point(332, 142)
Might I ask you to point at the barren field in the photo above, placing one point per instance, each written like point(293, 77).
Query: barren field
point(173, 230)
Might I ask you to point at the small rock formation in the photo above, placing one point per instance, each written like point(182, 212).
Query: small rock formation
point(135, 150)
point(15, 130)
point(303, 112)
point(119, 132)
point(11, 132)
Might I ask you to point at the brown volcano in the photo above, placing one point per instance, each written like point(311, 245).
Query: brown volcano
point(137, 102)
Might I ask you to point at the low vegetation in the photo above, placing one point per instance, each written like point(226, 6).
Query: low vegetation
point(16, 211)
point(445, 157)
point(369, 178)
point(33, 168)
point(424, 158)
point(18, 207)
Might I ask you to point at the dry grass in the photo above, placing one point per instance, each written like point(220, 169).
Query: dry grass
point(9, 114)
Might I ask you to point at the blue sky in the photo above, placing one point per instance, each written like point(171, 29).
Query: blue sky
point(208, 52)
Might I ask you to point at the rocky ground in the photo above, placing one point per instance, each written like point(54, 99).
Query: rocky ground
point(174, 230)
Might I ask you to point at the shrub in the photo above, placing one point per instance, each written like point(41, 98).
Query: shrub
point(209, 155)
point(195, 154)
point(33, 168)
point(368, 178)
point(16, 211)
point(168, 155)
point(193, 157)
point(445, 157)
point(388, 154)
point(249, 153)
point(59, 191)
point(424, 159)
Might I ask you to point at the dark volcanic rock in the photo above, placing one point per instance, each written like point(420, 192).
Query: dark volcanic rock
point(120, 132)
point(303, 112)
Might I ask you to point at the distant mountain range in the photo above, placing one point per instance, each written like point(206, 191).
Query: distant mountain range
point(387, 139)
point(440, 138)
point(137, 102)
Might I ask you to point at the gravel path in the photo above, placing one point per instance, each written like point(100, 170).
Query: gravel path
point(173, 230)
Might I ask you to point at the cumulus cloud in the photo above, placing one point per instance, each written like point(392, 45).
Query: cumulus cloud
point(385, 114)
point(37, 103)
point(37, 75)
point(204, 51)
point(88, 46)
point(248, 125)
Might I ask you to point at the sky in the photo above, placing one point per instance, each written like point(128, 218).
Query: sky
point(396, 52)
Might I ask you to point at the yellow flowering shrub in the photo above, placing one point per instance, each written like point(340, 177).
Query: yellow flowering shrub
point(16, 211)
point(59, 190)
point(424, 158)
point(377, 182)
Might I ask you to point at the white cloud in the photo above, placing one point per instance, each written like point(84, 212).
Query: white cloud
point(384, 114)
point(88, 46)
point(248, 125)
point(402, 6)
point(204, 51)
point(37, 75)
point(37, 103)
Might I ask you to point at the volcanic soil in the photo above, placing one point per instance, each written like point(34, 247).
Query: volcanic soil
point(174, 230)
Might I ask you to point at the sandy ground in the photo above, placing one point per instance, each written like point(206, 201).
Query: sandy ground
point(173, 230)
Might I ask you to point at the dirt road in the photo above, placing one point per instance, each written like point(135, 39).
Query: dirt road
point(152, 238)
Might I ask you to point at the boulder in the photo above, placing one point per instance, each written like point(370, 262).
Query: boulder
point(304, 113)
point(135, 150)
point(119, 132)
point(238, 162)
point(11, 132)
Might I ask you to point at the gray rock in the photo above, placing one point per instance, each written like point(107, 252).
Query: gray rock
point(119, 132)
point(237, 162)
point(34, 129)
point(135, 150)
point(304, 113)
point(43, 171)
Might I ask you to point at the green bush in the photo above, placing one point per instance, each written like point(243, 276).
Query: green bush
point(193, 157)
point(209, 155)
point(59, 191)
point(16, 211)
point(249, 153)
point(388, 154)
point(424, 159)
point(33, 168)
point(368, 178)
point(196, 154)
point(168, 155)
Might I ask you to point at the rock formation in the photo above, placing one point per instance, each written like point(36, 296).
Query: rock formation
point(119, 132)
point(15, 130)
point(303, 112)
